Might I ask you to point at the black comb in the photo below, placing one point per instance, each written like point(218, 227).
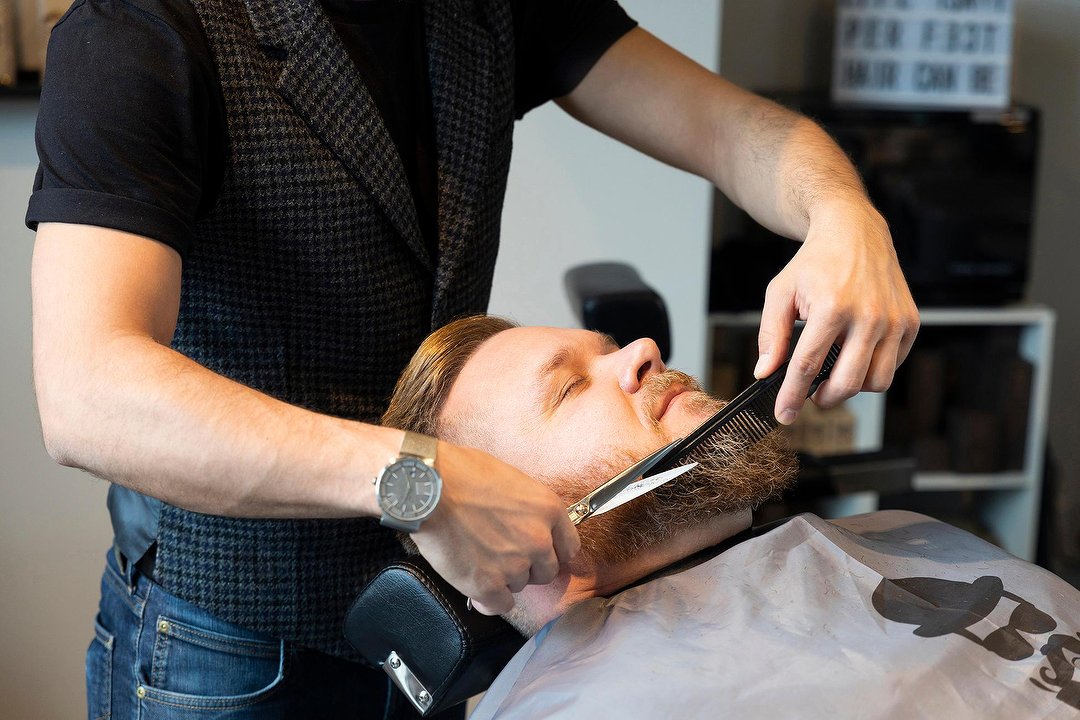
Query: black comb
point(749, 417)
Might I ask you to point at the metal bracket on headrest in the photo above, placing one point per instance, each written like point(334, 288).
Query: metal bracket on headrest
point(407, 682)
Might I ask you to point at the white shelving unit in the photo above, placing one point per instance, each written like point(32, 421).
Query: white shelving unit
point(1007, 502)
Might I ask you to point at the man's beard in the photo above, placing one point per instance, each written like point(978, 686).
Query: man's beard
point(730, 477)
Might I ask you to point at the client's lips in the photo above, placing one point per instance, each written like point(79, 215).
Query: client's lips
point(664, 403)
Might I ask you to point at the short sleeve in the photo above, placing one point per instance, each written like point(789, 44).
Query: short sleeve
point(130, 116)
point(557, 42)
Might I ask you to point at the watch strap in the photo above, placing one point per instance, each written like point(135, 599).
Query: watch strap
point(400, 525)
point(418, 445)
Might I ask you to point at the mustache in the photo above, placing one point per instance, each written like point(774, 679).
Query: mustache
point(654, 386)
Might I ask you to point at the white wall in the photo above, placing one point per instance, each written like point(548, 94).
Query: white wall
point(575, 196)
point(54, 529)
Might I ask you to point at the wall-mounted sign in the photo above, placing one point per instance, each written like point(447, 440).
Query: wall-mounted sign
point(923, 53)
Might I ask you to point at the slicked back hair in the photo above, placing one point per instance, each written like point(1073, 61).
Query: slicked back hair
point(425, 382)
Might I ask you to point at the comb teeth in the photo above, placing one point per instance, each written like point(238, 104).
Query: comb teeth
point(749, 417)
point(753, 423)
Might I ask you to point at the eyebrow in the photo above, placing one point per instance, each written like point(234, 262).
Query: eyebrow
point(556, 361)
point(606, 341)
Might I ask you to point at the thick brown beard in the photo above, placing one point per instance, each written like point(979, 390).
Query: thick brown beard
point(730, 477)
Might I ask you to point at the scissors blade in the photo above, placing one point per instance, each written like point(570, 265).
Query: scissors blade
point(642, 486)
point(585, 507)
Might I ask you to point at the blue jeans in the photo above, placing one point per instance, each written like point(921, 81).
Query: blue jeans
point(155, 656)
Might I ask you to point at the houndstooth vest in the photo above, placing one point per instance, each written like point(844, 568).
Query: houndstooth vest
point(310, 280)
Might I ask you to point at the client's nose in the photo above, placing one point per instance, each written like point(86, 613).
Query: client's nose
point(637, 361)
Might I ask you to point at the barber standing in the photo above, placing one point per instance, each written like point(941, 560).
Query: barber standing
point(250, 212)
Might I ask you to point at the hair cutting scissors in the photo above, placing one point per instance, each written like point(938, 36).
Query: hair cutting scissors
point(627, 485)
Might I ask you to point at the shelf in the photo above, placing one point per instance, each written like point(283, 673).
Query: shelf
point(944, 481)
point(1007, 315)
point(1005, 501)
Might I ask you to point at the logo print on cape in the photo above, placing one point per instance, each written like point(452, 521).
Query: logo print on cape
point(943, 607)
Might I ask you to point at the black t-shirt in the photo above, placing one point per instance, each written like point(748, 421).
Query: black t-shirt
point(385, 40)
point(131, 129)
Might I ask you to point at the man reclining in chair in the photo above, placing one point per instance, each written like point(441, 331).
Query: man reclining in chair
point(890, 614)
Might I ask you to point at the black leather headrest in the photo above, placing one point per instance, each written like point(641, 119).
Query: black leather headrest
point(612, 298)
point(412, 623)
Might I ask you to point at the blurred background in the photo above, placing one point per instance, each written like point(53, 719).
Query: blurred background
point(973, 156)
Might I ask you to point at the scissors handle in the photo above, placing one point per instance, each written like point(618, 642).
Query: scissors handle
point(587, 505)
point(578, 512)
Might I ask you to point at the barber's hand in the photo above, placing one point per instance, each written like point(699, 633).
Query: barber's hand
point(846, 283)
point(495, 529)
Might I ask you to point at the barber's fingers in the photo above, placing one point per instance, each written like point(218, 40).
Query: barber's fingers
point(567, 542)
point(544, 569)
point(806, 361)
point(911, 329)
point(849, 374)
point(517, 577)
point(490, 590)
point(778, 316)
point(879, 375)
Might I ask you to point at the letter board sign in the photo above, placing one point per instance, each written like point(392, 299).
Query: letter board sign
point(923, 53)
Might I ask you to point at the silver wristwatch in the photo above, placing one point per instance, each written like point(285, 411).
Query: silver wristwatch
point(408, 488)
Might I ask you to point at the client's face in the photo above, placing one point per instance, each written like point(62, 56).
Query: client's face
point(572, 409)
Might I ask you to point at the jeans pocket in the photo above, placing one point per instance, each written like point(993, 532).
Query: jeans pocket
point(195, 668)
point(99, 673)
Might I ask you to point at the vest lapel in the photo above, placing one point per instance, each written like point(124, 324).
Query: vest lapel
point(461, 70)
point(323, 86)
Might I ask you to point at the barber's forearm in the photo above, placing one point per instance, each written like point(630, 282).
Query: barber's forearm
point(116, 400)
point(149, 418)
point(845, 281)
point(142, 415)
point(777, 165)
point(782, 168)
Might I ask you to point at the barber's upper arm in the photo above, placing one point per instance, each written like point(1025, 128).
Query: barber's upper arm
point(650, 96)
point(91, 285)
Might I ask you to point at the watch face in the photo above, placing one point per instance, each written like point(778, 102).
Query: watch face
point(408, 489)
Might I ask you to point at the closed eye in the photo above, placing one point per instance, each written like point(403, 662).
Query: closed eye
point(572, 387)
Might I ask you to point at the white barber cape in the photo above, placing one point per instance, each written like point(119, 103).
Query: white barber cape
point(884, 615)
